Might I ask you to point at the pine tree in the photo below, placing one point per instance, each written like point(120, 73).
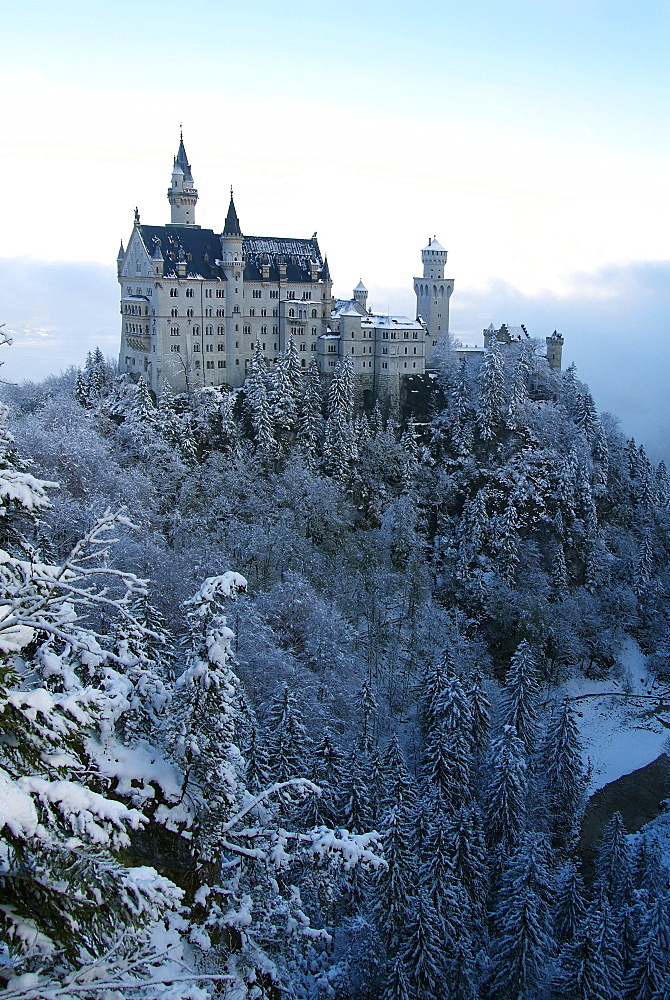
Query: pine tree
point(394, 887)
point(423, 955)
point(507, 791)
point(310, 423)
point(614, 863)
point(288, 747)
point(523, 942)
point(564, 775)
point(521, 695)
point(571, 906)
point(491, 381)
point(480, 714)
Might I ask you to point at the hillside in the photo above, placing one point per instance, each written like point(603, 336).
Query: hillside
point(318, 712)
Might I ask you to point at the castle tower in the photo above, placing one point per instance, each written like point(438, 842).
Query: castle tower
point(433, 290)
point(232, 262)
point(361, 296)
point(555, 350)
point(182, 195)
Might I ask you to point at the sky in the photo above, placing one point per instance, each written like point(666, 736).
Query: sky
point(530, 136)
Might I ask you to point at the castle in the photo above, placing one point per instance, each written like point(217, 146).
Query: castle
point(194, 302)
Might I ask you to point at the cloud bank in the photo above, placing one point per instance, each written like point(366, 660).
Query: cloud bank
point(616, 324)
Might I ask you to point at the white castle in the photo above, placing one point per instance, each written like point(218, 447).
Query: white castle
point(194, 302)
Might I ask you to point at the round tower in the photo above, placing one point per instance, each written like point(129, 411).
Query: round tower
point(433, 292)
point(434, 259)
point(555, 350)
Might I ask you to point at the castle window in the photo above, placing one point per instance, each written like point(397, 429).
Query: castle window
point(406, 350)
point(189, 293)
point(275, 312)
point(174, 331)
point(290, 295)
point(174, 348)
point(291, 312)
point(385, 335)
point(264, 329)
point(275, 329)
point(306, 295)
point(237, 343)
point(252, 312)
point(236, 309)
point(221, 364)
point(208, 293)
point(222, 312)
point(274, 293)
point(209, 330)
point(220, 293)
point(393, 335)
point(246, 329)
point(264, 312)
point(173, 312)
point(174, 292)
point(414, 364)
point(385, 364)
point(237, 361)
point(210, 364)
point(196, 348)
point(353, 350)
point(313, 347)
point(415, 350)
point(257, 293)
point(196, 363)
point(332, 348)
point(263, 345)
point(220, 347)
point(208, 311)
point(189, 313)
point(209, 348)
point(314, 331)
point(303, 347)
point(303, 363)
point(314, 314)
point(406, 336)
point(415, 336)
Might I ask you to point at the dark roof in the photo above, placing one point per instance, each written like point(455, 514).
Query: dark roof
point(177, 242)
point(182, 160)
point(194, 245)
point(232, 226)
point(297, 255)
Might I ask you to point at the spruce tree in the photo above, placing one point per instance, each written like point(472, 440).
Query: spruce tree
point(507, 791)
point(521, 697)
point(563, 773)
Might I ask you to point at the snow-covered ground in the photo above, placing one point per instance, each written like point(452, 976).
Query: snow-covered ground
point(621, 732)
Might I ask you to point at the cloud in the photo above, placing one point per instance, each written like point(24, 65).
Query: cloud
point(55, 312)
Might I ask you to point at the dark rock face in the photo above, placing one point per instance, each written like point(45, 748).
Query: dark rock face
point(637, 796)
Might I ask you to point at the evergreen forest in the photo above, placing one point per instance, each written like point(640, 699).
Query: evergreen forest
point(281, 709)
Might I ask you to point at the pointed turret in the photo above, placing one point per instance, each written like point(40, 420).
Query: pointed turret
point(325, 273)
point(232, 226)
point(120, 257)
point(182, 195)
point(361, 296)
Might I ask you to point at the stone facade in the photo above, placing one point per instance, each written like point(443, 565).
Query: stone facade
point(194, 302)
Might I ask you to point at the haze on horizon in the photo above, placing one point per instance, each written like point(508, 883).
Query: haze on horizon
point(531, 137)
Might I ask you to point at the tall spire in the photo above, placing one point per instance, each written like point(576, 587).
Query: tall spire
point(182, 194)
point(182, 159)
point(232, 226)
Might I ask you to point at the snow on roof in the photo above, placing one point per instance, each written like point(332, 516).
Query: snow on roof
point(434, 245)
point(360, 287)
